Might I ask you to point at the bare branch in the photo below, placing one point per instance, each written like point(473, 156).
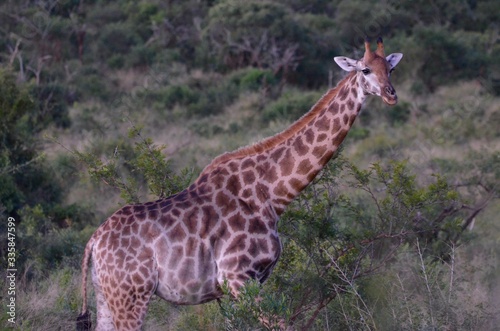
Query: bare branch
point(14, 51)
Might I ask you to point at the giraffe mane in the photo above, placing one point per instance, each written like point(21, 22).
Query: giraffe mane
point(270, 142)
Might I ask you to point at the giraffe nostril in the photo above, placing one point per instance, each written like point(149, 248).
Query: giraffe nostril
point(389, 90)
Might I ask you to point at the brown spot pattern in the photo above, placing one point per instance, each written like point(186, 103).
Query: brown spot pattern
point(321, 137)
point(309, 135)
point(300, 147)
point(237, 222)
point(286, 164)
point(322, 124)
point(304, 167)
point(256, 226)
point(233, 185)
point(208, 221)
point(248, 177)
point(270, 174)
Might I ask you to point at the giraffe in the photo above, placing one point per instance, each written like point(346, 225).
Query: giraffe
point(224, 226)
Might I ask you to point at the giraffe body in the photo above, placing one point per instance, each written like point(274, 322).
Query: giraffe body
point(224, 226)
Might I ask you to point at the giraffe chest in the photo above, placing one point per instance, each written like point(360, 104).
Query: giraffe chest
point(186, 273)
point(193, 272)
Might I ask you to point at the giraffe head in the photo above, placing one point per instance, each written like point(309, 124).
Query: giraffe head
point(374, 71)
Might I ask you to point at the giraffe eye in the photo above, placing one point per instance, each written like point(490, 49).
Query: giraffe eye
point(366, 71)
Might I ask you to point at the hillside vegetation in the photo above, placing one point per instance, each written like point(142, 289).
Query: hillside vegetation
point(104, 103)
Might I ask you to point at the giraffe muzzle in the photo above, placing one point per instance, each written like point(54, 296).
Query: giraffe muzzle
point(390, 97)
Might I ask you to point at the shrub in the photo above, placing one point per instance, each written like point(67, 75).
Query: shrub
point(52, 106)
point(254, 79)
point(116, 39)
point(446, 57)
point(352, 222)
point(141, 14)
point(103, 15)
point(251, 79)
point(199, 96)
point(18, 147)
point(252, 307)
point(179, 94)
point(252, 33)
point(356, 133)
point(399, 113)
point(212, 101)
point(289, 106)
point(140, 55)
point(92, 85)
point(168, 97)
point(134, 162)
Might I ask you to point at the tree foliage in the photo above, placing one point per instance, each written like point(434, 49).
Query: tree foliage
point(29, 188)
point(347, 231)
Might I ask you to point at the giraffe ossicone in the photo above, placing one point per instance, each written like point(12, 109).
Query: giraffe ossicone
point(224, 226)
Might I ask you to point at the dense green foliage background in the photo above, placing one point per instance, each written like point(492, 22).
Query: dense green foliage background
point(109, 102)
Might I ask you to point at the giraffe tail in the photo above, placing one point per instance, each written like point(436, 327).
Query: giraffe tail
point(84, 322)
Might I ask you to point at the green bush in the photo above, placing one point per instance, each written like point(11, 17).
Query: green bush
point(358, 19)
point(18, 146)
point(254, 79)
point(252, 307)
point(92, 85)
point(116, 39)
point(290, 106)
point(357, 133)
point(142, 14)
point(212, 100)
point(141, 55)
point(446, 57)
point(242, 33)
point(179, 94)
point(166, 98)
point(30, 191)
point(102, 15)
point(199, 96)
point(333, 238)
point(132, 164)
point(399, 114)
point(43, 244)
point(52, 105)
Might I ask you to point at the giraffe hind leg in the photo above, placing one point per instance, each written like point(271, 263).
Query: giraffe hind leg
point(130, 316)
point(121, 305)
point(104, 315)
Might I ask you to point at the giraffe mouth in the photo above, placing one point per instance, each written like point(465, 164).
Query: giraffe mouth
point(391, 101)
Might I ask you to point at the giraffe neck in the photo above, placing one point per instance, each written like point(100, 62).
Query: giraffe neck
point(302, 156)
point(280, 167)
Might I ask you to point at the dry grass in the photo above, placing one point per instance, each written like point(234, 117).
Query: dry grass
point(53, 303)
point(48, 304)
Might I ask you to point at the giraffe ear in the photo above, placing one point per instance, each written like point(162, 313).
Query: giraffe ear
point(394, 59)
point(346, 63)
